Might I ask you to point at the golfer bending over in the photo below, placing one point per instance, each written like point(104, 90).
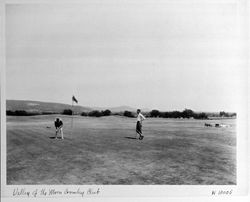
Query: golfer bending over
point(59, 127)
point(140, 118)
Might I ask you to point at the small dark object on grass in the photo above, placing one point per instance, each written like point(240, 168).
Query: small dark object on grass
point(134, 138)
point(208, 125)
point(48, 127)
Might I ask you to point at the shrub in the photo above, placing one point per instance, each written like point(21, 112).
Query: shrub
point(67, 112)
point(154, 113)
point(187, 113)
point(21, 113)
point(175, 114)
point(165, 114)
point(95, 113)
point(233, 114)
point(84, 114)
point(224, 114)
point(128, 114)
point(10, 113)
point(107, 112)
point(200, 116)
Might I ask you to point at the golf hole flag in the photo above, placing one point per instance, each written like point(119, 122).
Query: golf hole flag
point(74, 99)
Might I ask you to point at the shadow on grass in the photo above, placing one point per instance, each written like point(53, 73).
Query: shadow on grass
point(55, 137)
point(131, 138)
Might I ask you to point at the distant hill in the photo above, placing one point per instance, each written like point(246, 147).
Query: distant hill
point(50, 107)
point(120, 109)
point(37, 106)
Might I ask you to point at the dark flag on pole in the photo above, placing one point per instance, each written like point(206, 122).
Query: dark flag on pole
point(74, 99)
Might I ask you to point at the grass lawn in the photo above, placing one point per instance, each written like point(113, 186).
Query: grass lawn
point(103, 151)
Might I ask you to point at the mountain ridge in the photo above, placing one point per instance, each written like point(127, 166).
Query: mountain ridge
point(55, 107)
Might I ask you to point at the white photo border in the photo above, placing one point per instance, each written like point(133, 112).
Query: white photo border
point(241, 189)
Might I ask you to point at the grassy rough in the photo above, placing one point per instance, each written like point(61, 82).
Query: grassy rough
point(101, 151)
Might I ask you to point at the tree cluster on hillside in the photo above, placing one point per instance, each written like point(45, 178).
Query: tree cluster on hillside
point(26, 113)
point(67, 112)
point(96, 113)
point(226, 114)
point(128, 114)
point(221, 114)
point(187, 113)
point(17, 113)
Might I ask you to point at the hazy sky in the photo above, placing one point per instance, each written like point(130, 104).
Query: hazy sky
point(168, 56)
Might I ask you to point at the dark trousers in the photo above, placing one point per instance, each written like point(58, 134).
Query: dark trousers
point(138, 127)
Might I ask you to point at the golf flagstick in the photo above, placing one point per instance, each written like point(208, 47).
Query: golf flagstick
point(72, 114)
point(72, 117)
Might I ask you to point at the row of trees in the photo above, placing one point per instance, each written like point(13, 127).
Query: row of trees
point(94, 113)
point(17, 113)
point(187, 113)
point(97, 113)
point(226, 114)
point(26, 113)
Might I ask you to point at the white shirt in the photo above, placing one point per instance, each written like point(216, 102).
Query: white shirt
point(140, 117)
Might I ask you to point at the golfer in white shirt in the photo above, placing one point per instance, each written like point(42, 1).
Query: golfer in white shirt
point(140, 118)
